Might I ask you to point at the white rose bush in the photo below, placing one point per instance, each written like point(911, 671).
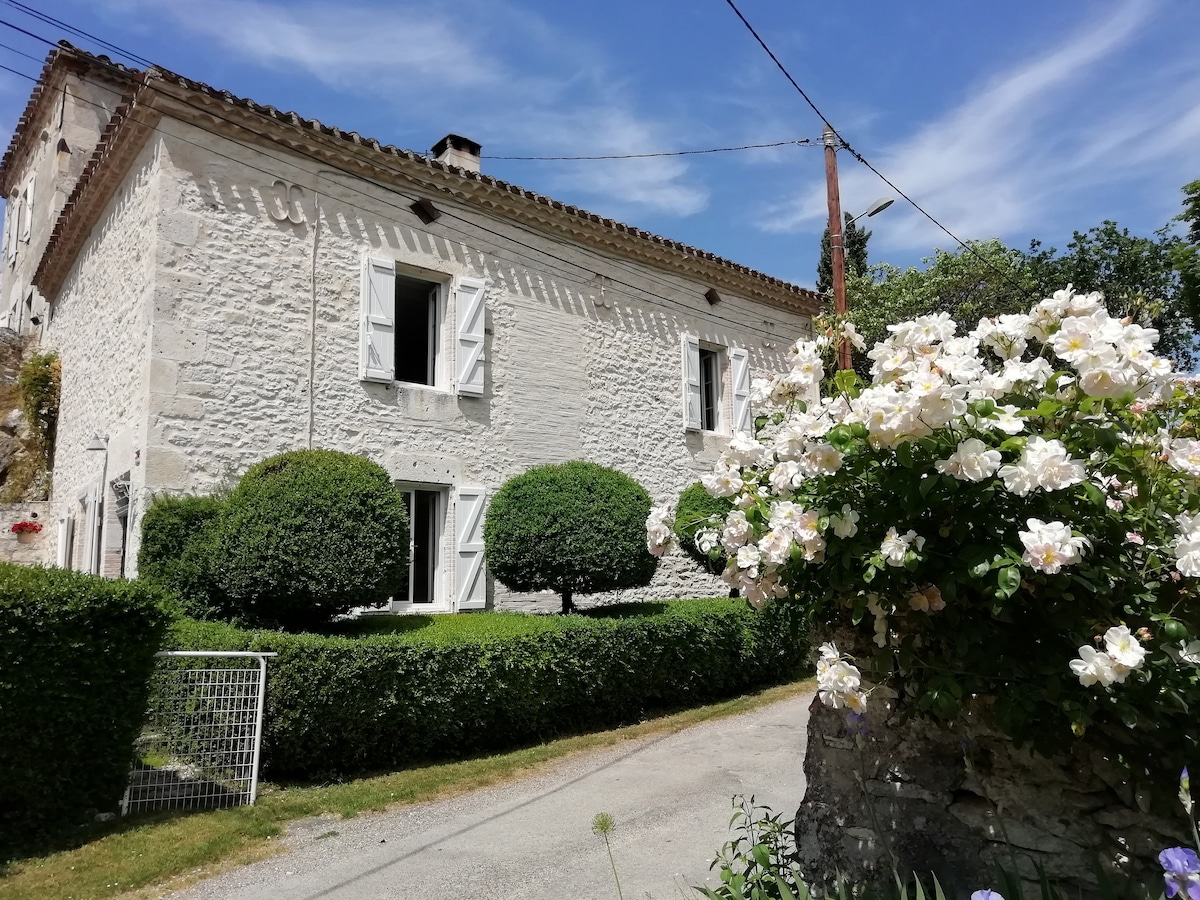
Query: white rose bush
point(1005, 521)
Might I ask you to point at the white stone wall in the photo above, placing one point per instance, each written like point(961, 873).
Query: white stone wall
point(101, 330)
point(32, 550)
point(237, 331)
point(77, 115)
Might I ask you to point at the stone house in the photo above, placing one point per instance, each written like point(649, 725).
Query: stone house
point(224, 281)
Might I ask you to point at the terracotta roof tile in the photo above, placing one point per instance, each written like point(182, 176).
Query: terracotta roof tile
point(136, 78)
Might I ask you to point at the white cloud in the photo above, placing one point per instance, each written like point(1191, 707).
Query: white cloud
point(1025, 140)
point(554, 96)
point(609, 129)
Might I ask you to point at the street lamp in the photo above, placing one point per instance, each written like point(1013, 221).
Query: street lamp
point(874, 209)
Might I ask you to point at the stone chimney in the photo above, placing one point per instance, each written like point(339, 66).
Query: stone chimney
point(455, 150)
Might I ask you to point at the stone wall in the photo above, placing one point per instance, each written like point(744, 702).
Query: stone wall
point(255, 345)
point(961, 803)
point(35, 550)
point(101, 327)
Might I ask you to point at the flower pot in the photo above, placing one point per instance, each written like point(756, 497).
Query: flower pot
point(26, 537)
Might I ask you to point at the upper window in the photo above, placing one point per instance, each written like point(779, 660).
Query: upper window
point(712, 401)
point(403, 327)
point(710, 388)
point(418, 330)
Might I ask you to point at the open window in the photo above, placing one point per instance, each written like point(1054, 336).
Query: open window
point(716, 387)
point(404, 323)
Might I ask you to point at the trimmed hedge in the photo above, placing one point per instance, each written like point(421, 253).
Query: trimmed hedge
point(172, 552)
point(76, 655)
point(339, 706)
point(574, 528)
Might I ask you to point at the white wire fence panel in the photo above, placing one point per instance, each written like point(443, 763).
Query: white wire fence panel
point(199, 746)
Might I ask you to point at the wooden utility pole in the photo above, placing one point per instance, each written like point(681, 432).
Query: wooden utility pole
point(837, 252)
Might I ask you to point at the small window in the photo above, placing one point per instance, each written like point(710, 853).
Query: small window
point(710, 389)
point(418, 320)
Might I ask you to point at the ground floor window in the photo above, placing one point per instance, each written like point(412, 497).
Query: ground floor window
point(425, 583)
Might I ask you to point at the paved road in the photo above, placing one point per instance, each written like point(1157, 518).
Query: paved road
point(532, 839)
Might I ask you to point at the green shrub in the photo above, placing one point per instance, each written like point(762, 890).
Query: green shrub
point(75, 658)
point(696, 511)
point(305, 536)
point(576, 527)
point(339, 706)
point(173, 550)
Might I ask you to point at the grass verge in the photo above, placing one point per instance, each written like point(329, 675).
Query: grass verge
point(148, 855)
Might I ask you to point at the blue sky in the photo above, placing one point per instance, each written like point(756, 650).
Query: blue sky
point(1015, 120)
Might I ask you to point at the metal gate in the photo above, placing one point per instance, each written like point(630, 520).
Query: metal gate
point(200, 743)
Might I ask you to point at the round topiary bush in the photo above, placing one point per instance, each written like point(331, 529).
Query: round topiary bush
point(305, 536)
point(575, 527)
point(173, 553)
point(699, 513)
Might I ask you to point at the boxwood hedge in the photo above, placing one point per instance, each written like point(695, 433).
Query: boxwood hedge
point(76, 653)
point(366, 700)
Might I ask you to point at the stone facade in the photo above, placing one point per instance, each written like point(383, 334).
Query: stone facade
point(963, 803)
point(214, 315)
point(30, 550)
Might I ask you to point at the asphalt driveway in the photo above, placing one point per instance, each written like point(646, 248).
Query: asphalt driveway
point(532, 839)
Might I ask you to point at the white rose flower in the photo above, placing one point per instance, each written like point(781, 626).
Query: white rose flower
point(845, 524)
point(1094, 667)
point(895, 546)
point(972, 461)
point(1122, 645)
point(1050, 545)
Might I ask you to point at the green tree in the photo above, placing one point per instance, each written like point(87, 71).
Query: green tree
point(1137, 275)
point(986, 280)
point(573, 528)
point(854, 240)
point(1186, 254)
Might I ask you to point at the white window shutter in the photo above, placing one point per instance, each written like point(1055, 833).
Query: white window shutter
point(27, 212)
point(471, 575)
point(66, 525)
point(377, 352)
point(10, 226)
point(691, 383)
point(739, 364)
point(91, 533)
point(469, 315)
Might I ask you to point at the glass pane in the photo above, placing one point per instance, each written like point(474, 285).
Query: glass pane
point(710, 389)
point(414, 329)
point(402, 592)
point(424, 532)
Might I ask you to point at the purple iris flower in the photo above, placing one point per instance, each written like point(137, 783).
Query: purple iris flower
point(1181, 872)
point(987, 895)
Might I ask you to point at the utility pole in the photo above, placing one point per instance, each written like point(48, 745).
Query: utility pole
point(837, 252)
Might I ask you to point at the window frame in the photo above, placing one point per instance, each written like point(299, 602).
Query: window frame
point(442, 284)
point(442, 601)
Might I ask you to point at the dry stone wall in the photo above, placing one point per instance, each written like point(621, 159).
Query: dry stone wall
point(961, 803)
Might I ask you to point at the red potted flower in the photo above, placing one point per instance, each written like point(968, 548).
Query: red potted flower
point(26, 531)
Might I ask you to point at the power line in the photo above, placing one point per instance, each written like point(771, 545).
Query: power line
point(50, 20)
point(858, 156)
point(639, 293)
point(803, 142)
point(22, 53)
